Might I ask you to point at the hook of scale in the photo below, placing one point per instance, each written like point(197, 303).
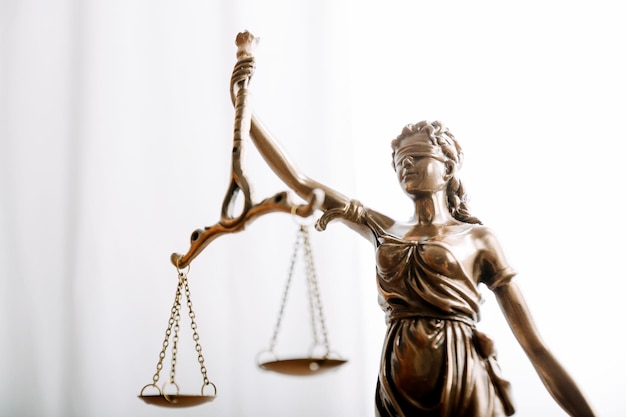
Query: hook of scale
point(311, 364)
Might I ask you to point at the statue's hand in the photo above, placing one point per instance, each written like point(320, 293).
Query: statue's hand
point(244, 68)
point(245, 42)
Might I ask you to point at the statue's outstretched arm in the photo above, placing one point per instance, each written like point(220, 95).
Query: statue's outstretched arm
point(556, 379)
point(286, 170)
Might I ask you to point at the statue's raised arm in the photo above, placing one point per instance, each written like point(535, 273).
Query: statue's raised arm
point(287, 171)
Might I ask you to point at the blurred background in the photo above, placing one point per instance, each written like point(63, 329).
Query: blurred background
point(115, 137)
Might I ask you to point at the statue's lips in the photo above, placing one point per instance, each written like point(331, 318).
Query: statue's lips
point(408, 174)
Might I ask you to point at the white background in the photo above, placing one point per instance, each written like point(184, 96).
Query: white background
point(115, 135)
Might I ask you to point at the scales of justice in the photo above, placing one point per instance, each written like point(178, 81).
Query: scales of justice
point(231, 222)
point(434, 361)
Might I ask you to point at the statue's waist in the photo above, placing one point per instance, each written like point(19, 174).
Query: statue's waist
point(402, 314)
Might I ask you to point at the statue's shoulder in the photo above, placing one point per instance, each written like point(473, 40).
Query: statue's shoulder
point(484, 238)
point(480, 231)
point(377, 218)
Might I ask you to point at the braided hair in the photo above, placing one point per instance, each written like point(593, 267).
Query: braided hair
point(440, 136)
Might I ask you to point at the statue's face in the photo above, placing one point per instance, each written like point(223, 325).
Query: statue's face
point(420, 166)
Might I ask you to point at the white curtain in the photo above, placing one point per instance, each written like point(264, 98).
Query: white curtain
point(115, 137)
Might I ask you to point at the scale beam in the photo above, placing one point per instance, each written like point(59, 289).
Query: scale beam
point(201, 238)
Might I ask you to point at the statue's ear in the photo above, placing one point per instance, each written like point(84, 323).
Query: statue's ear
point(450, 169)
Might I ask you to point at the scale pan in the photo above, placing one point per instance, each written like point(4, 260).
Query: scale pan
point(176, 400)
point(302, 366)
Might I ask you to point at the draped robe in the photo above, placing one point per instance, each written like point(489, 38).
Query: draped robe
point(434, 360)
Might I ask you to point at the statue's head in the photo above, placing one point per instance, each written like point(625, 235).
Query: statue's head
point(426, 157)
point(427, 139)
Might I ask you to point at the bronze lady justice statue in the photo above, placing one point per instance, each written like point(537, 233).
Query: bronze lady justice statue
point(434, 361)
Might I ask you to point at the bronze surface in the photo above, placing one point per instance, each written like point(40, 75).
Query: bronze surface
point(302, 366)
point(177, 400)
